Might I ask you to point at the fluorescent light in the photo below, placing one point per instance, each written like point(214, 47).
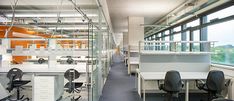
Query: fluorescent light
point(49, 15)
point(72, 28)
point(16, 34)
point(67, 28)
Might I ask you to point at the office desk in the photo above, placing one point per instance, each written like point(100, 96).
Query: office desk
point(187, 76)
point(132, 61)
point(44, 69)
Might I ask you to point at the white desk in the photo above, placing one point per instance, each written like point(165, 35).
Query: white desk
point(32, 68)
point(132, 61)
point(187, 76)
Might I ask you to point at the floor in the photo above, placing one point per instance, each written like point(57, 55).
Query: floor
point(121, 87)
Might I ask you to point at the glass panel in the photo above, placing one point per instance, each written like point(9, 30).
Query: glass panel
point(196, 37)
point(221, 14)
point(177, 37)
point(177, 29)
point(193, 23)
point(224, 48)
point(167, 32)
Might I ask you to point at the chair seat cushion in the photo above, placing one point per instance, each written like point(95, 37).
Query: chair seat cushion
point(19, 83)
point(74, 85)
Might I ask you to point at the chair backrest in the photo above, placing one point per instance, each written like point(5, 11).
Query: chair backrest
point(71, 74)
point(14, 73)
point(173, 81)
point(215, 81)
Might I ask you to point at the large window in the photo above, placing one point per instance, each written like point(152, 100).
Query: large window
point(221, 14)
point(224, 34)
point(193, 23)
point(224, 48)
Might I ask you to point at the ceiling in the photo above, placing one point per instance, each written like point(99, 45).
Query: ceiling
point(151, 10)
point(43, 14)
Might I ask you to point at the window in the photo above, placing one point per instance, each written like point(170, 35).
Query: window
point(158, 37)
point(196, 37)
point(167, 32)
point(193, 23)
point(153, 37)
point(221, 14)
point(224, 48)
point(177, 29)
point(177, 37)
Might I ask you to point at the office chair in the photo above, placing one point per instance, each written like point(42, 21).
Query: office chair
point(73, 87)
point(214, 85)
point(70, 60)
point(41, 60)
point(172, 85)
point(15, 76)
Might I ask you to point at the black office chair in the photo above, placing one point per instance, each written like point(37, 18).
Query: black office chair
point(73, 87)
point(172, 85)
point(70, 60)
point(15, 76)
point(41, 60)
point(214, 85)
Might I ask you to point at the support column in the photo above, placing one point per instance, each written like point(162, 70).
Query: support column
point(135, 31)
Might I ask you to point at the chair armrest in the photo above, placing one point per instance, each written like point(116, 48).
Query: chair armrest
point(200, 84)
point(182, 83)
point(160, 86)
point(227, 83)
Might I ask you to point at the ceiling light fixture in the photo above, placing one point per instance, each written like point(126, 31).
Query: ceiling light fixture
point(49, 15)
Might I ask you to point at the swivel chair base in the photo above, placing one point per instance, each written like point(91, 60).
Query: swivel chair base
point(172, 97)
point(18, 97)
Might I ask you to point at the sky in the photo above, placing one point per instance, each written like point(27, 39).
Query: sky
point(223, 32)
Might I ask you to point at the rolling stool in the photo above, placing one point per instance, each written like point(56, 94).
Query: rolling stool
point(71, 86)
point(15, 76)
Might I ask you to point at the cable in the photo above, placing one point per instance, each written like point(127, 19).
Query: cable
point(12, 19)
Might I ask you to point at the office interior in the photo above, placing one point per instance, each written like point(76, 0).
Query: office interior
point(116, 50)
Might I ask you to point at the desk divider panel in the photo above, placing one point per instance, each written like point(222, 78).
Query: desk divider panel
point(182, 63)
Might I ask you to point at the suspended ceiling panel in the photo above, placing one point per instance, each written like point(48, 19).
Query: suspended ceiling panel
point(151, 10)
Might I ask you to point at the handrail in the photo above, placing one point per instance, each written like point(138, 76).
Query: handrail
point(172, 46)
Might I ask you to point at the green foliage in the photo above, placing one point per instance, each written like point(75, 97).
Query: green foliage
point(223, 55)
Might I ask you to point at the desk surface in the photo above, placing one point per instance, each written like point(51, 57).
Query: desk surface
point(133, 60)
point(184, 75)
point(44, 68)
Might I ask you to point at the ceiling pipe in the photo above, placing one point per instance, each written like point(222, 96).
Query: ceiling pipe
point(166, 17)
point(208, 3)
point(12, 19)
